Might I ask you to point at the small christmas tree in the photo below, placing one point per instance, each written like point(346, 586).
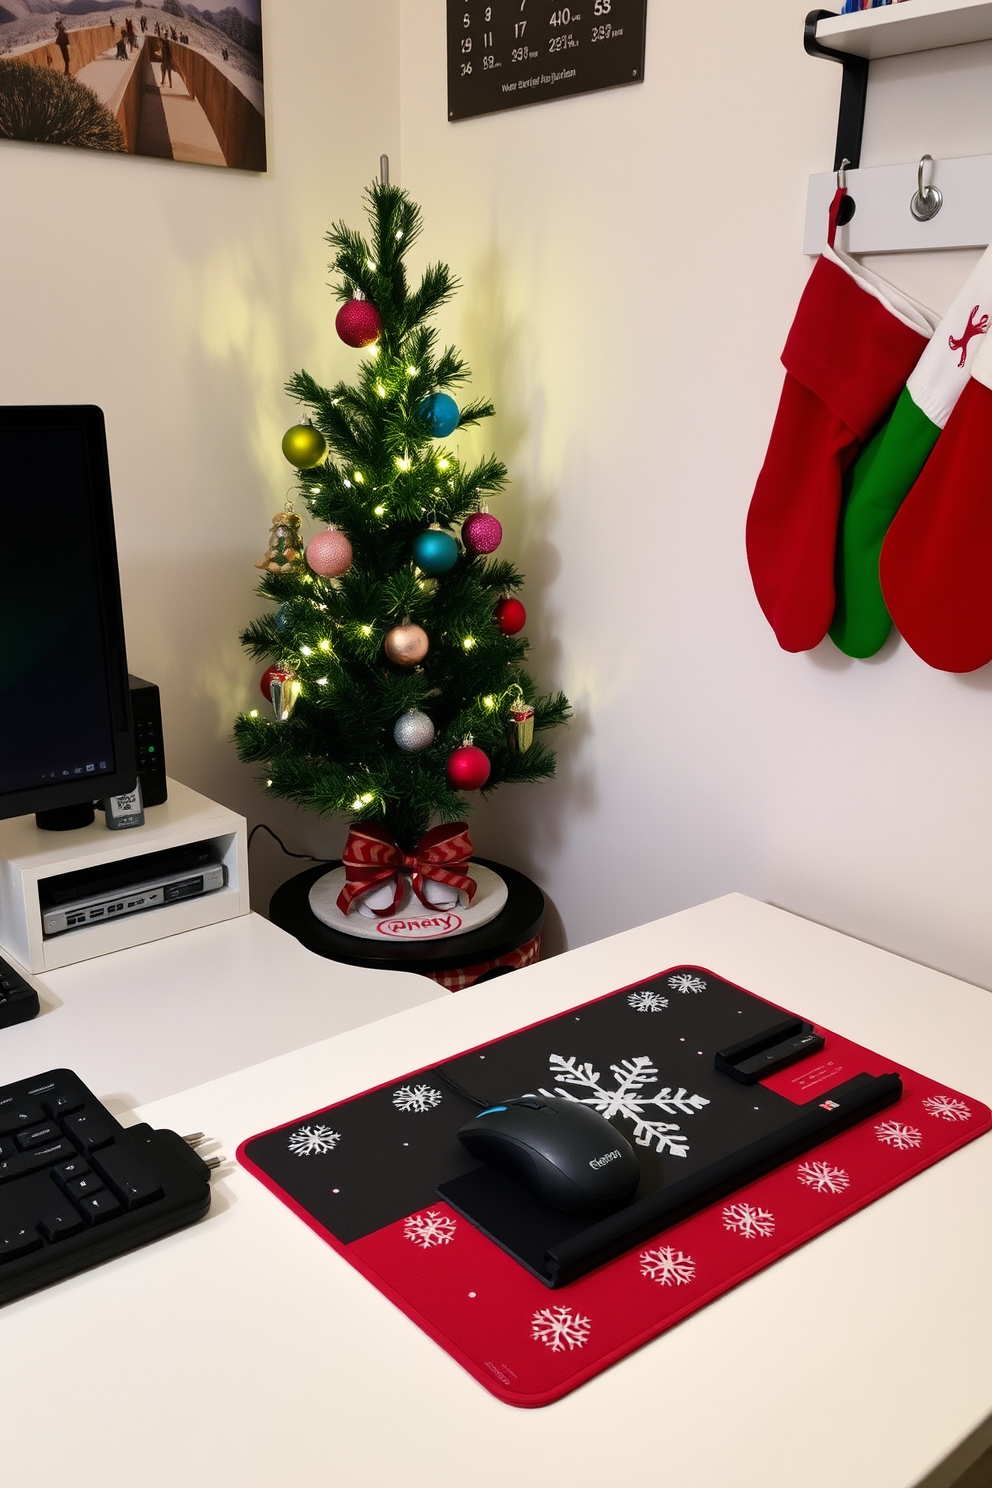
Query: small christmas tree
point(403, 644)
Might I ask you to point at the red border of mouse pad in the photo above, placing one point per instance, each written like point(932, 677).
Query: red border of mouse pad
point(529, 1345)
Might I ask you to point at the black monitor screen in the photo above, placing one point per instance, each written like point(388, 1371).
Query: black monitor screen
point(57, 716)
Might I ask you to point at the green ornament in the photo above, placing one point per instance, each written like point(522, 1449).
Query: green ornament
point(304, 446)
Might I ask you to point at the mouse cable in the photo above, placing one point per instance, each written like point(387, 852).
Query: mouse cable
point(264, 827)
point(460, 1090)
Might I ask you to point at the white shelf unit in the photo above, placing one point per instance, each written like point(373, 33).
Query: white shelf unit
point(28, 855)
point(908, 26)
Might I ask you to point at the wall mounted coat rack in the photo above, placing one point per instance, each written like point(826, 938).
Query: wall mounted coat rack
point(882, 220)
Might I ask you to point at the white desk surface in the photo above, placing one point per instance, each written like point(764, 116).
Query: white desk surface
point(244, 1352)
point(148, 1021)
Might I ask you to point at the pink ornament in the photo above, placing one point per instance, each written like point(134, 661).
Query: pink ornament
point(481, 533)
point(358, 323)
point(329, 553)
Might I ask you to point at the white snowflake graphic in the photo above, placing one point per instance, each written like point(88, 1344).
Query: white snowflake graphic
point(559, 1328)
point(947, 1108)
point(430, 1228)
point(647, 1000)
point(823, 1177)
point(897, 1134)
point(684, 981)
point(313, 1139)
point(667, 1267)
point(748, 1221)
point(416, 1098)
point(627, 1099)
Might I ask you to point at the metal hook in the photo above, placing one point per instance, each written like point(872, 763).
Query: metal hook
point(842, 174)
point(927, 201)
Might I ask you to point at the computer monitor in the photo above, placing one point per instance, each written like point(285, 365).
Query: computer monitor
point(65, 719)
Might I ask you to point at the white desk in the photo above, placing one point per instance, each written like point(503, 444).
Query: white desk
point(148, 1021)
point(244, 1352)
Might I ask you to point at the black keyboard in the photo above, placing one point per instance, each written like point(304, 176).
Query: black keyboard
point(76, 1187)
point(18, 1001)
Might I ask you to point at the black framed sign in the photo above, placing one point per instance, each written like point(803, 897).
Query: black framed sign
point(503, 54)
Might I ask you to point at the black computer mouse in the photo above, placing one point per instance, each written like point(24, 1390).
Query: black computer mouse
point(564, 1152)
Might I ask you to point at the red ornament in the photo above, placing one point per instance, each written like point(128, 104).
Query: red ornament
point(510, 615)
point(274, 674)
point(468, 767)
point(329, 553)
point(358, 323)
point(481, 533)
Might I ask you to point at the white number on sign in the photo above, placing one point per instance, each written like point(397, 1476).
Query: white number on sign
point(560, 18)
point(519, 27)
point(601, 7)
point(466, 43)
point(466, 68)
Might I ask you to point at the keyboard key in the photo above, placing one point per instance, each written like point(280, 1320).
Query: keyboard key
point(15, 1117)
point(99, 1206)
point(89, 1130)
point(62, 1102)
point(81, 1188)
point(127, 1176)
point(18, 1242)
point(60, 1222)
point(37, 1136)
point(74, 1168)
point(32, 1162)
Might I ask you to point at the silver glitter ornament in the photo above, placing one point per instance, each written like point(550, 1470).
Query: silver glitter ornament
point(413, 731)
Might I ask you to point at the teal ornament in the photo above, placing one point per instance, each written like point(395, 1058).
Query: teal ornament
point(283, 617)
point(435, 552)
point(440, 414)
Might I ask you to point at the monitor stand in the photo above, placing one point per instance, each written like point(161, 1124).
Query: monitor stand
point(66, 818)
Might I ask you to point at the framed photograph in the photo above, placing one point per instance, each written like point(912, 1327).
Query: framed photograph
point(168, 79)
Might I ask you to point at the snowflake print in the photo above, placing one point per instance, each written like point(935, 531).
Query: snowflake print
point(822, 1177)
point(416, 1098)
point(313, 1139)
point(647, 1000)
point(947, 1108)
point(897, 1134)
point(559, 1328)
point(667, 1267)
point(430, 1227)
point(748, 1221)
point(629, 1100)
point(684, 981)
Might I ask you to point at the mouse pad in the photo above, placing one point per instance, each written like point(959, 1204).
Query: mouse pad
point(365, 1173)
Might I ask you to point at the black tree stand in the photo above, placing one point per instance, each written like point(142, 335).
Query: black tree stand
point(512, 938)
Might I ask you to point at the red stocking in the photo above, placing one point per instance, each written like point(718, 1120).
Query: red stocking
point(936, 565)
point(852, 345)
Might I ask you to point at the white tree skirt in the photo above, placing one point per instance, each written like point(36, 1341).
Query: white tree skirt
point(411, 920)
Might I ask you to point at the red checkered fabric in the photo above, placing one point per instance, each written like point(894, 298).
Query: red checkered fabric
point(465, 976)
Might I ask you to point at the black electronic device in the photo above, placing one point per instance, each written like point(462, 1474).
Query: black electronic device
point(149, 742)
point(754, 1059)
point(77, 1188)
point(18, 1001)
point(63, 668)
point(570, 1156)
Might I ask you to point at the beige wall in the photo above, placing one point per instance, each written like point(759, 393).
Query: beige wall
point(631, 262)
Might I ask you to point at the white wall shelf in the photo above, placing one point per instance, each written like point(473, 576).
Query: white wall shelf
point(908, 26)
point(28, 855)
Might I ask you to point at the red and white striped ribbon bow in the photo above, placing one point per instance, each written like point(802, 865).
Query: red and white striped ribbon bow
point(371, 856)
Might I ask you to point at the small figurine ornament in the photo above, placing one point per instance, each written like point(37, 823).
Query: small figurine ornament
point(285, 548)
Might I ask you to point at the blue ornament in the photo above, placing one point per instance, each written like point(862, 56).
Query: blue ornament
point(435, 552)
point(283, 616)
point(439, 413)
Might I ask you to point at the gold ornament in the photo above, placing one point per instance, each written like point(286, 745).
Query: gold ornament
point(520, 724)
point(285, 550)
point(406, 644)
point(304, 446)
